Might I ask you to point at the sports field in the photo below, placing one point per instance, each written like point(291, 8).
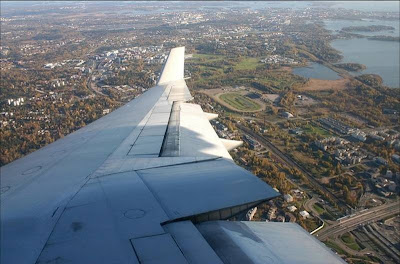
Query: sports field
point(239, 102)
point(311, 129)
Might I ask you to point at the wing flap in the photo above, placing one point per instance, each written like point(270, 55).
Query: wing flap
point(166, 250)
point(261, 242)
point(197, 136)
point(188, 190)
point(192, 243)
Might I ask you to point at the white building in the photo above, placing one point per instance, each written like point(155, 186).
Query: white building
point(288, 198)
point(359, 135)
point(287, 115)
point(250, 214)
point(304, 214)
point(292, 208)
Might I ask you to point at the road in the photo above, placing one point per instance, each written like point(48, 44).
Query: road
point(92, 85)
point(292, 163)
point(363, 217)
point(309, 205)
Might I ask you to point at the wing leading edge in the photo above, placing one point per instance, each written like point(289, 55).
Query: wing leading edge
point(129, 187)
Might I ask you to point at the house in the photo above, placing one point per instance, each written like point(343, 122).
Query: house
point(292, 208)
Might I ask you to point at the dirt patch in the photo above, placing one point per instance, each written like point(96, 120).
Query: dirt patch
point(320, 85)
point(302, 100)
point(273, 98)
point(354, 119)
point(285, 68)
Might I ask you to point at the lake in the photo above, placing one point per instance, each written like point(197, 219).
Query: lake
point(380, 57)
point(316, 71)
point(367, 6)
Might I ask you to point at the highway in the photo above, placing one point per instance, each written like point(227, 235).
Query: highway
point(350, 223)
point(292, 163)
point(91, 84)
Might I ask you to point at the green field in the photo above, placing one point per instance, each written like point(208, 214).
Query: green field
point(318, 208)
point(350, 241)
point(311, 129)
point(247, 64)
point(239, 102)
point(244, 63)
point(212, 70)
point(336, 247)
point(208, 57)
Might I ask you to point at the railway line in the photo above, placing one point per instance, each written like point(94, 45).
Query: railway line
point(383, 242)
point(352, 222)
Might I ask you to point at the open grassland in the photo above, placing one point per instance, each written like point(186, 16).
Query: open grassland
point(318, 208)
point(207, 57)
point(318, 85)
point(335, 246)
point(215, 71)
point(240, 102)
point(247, 64)
point(350, 241)
point(311, 129)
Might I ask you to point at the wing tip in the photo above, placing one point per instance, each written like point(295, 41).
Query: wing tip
point(174, 66)
point(178, 48)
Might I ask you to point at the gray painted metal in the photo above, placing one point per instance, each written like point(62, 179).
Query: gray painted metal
point(261, 242)
point(41, 184)
point(192, 244)
point(208, 185)
point(171, 143)
point(158, 249)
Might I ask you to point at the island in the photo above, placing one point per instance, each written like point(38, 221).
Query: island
point(372, 28)
point(353, 67)
point(370, 79)
point(384, 38)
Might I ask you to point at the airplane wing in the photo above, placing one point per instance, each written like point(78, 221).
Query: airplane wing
point(149, 183)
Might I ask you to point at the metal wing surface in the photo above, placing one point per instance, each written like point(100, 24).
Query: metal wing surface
point(130, 187)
